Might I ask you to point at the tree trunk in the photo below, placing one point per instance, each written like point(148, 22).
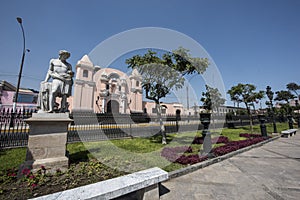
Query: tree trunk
point(213, 121)
point(162, 126)
point(250, 115)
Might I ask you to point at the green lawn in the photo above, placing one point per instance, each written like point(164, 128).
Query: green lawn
point(92, 162)
point(130, 154)
point(12, 158)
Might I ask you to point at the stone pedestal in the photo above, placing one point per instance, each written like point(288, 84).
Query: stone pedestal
point(47, 141)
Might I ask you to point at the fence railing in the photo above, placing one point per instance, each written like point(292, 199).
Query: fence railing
point(13, 129)
point(88, 126)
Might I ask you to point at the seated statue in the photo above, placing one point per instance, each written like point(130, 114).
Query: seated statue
point(60, 71)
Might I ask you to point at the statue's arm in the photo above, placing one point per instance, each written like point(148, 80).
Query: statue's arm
point(70, 72)
point(50, 71)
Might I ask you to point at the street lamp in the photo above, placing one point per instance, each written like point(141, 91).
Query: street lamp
point(270, 95)
point(15, 100)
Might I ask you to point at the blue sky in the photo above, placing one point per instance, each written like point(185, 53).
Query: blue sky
point(255, 42)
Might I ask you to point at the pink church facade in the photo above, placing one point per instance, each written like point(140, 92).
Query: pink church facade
point(106, 90)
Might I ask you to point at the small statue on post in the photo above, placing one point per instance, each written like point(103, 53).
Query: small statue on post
point(61, 86)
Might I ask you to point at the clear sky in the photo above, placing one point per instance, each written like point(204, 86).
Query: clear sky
point(255, 41)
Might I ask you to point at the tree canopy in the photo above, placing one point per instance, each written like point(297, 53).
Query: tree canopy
point(284, 95)
point(293, 87)
point(246, 93)
point(212, 98)
point(160, 74)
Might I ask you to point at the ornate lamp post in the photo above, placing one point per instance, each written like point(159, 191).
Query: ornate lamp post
point(270, 95)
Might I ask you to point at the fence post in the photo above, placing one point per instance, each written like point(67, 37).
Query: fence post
point(130, 129)
point(12, 118)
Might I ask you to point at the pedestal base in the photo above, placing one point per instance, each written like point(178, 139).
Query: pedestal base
point(47, 142)
point(52, 165)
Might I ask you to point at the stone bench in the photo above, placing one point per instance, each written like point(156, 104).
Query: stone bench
point(289, 132)
point(142, 185)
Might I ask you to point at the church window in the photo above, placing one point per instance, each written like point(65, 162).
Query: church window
point(85, 73)
point(137, 83)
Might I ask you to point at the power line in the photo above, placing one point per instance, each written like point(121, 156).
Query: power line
point(24, 75)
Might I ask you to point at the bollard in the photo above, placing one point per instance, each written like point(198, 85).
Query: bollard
point(290, 121)
point(205, 120)
point(263, 128)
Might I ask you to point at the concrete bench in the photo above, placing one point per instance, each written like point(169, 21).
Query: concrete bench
point(143, 185)
point(289, 132)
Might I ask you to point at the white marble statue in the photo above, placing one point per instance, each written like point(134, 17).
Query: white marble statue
point(60, 71)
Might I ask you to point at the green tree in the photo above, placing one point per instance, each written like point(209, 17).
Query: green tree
point(160, 74)
point(212, 98)
point(246, 93)
point(293, 87)
point(286, 96)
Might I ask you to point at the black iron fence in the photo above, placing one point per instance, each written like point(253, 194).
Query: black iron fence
point(13, 129)
point(88, 126)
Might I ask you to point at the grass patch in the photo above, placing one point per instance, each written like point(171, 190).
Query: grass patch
point(12, 158)
point(96, 161)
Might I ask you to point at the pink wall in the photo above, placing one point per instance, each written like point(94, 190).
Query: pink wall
point(170, 110)
point(7, 100)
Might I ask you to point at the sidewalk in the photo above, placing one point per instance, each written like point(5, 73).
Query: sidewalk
point(271, 171)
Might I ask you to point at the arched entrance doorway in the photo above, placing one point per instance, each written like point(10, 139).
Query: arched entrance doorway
point(113, 106)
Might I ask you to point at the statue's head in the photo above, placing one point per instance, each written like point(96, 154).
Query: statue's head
point(64, 54)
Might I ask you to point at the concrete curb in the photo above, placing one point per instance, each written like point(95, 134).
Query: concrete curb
point(192, 168)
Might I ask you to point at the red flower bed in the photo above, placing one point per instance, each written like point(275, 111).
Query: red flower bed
point(235, 145)
point(176, 154)
point(216, 140)
point(190, 159)
point(248, 135)
point(172, 154)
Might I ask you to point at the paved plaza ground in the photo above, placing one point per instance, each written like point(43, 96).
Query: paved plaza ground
point(271, 171)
